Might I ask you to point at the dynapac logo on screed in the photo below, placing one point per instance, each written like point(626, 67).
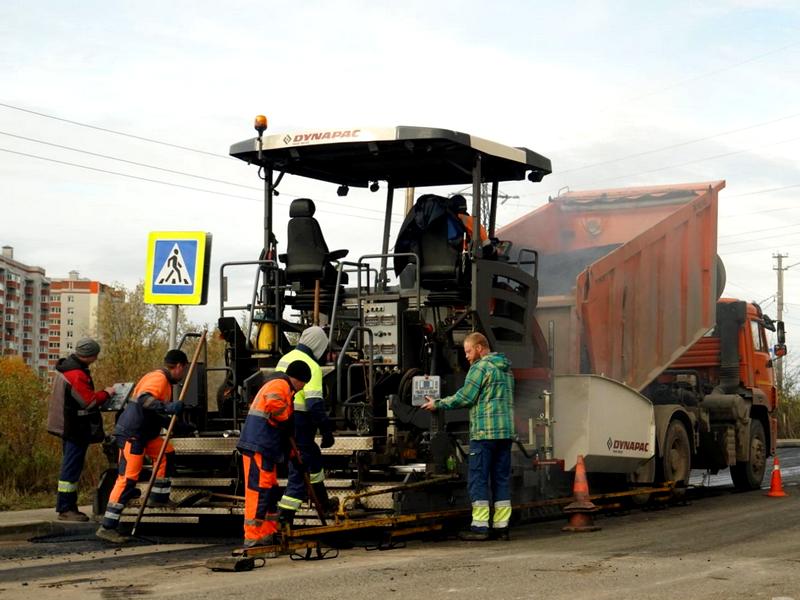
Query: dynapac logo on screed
point(317, 136)
point(618, 446)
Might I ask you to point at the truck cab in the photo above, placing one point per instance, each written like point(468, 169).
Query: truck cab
point(729, 394)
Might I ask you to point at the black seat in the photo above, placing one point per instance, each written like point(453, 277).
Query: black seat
point(441, 262)
point(307, 257)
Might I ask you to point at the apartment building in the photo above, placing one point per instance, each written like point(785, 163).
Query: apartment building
point(43, 318)
point(74, 305)
point(25, 312)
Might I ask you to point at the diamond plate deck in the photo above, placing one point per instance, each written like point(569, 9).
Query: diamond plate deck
point(224, 446)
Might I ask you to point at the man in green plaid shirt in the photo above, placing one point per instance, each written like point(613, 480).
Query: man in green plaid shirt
point(488, 392)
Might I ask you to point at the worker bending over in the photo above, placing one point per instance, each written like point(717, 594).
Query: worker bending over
point(264, 443)
point(138, 432)
point(309, 416)
point(488, 391)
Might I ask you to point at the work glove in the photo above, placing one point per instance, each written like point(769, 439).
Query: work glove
point(173, 408)
point(327, 440)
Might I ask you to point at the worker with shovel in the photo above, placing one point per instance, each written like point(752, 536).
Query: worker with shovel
point(138, 432)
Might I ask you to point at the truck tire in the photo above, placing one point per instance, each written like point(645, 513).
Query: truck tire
point(676, 459)
point(748, 475)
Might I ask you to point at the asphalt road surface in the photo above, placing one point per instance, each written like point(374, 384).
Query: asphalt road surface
point(719, 545)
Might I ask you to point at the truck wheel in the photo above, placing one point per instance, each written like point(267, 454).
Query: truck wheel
point(748, 475)
point(677, 456)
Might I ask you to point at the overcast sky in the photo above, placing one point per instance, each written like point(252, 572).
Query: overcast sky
point(614, 93)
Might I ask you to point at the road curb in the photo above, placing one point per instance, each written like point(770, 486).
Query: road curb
point(25, 530)
point(788, 443)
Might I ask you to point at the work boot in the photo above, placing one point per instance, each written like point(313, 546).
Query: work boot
point(270, 541)
point(474, 535)
point(111, 535)
point(500, 533)
point(73, 515)
point(159, 494)
point(328, 505)
point(285, 518)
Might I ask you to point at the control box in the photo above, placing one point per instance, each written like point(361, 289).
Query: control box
point(383, 319)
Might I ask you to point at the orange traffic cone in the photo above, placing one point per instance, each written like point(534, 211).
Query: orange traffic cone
point(776, 483)
point(581, 508)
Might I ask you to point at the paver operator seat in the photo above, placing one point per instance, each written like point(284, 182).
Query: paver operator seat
point(435, 233)
point(308, 259)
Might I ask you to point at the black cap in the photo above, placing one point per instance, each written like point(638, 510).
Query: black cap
point(458, 203)
point(176, 357)
point(299, 370)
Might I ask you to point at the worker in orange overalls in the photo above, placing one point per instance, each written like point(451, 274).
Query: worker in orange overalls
point(264, 443)
point(138, 433)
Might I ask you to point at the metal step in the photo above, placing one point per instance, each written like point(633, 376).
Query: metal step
point(223, 446)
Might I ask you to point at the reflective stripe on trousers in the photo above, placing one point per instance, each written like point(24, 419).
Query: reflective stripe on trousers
point(73, 457)
point(502, 514)
point(66, 487)
point(161, 490)
point(113, 514)
point(480, 515)
point(260, 497)
point(290, 503)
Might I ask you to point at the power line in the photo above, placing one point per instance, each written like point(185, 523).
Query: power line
point(115, 132)
point(157, 168)
point(698, 160)
point(170, 184)
point(681, 144)
point(130, 162)
point(755, 231)
point(715, 71)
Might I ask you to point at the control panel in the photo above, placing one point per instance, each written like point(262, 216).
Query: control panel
point(384, 320)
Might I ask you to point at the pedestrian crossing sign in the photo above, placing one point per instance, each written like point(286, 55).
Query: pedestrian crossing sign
point(177, 267)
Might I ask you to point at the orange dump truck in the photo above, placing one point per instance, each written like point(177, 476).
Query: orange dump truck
point(653, 373)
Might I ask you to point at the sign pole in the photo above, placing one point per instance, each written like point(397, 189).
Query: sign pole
point(173, 327)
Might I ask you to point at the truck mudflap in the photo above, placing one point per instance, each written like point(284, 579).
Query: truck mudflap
point(610, 424)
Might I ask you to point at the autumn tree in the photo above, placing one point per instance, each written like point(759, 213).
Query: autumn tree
point(788, 413)
point(133, 335)
point(29, 456)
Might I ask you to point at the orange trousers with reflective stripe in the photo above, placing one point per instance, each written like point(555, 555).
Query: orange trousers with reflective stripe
point(260, 496)
point(131, 459)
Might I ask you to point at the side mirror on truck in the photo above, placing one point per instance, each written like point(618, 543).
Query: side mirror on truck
point(780, 347)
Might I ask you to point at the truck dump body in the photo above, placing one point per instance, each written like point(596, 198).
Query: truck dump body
point(628, 277)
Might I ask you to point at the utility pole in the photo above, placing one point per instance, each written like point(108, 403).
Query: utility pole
point(486, 200)
point(779, 300)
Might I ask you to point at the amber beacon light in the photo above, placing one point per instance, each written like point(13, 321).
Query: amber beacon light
point(260, 124)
